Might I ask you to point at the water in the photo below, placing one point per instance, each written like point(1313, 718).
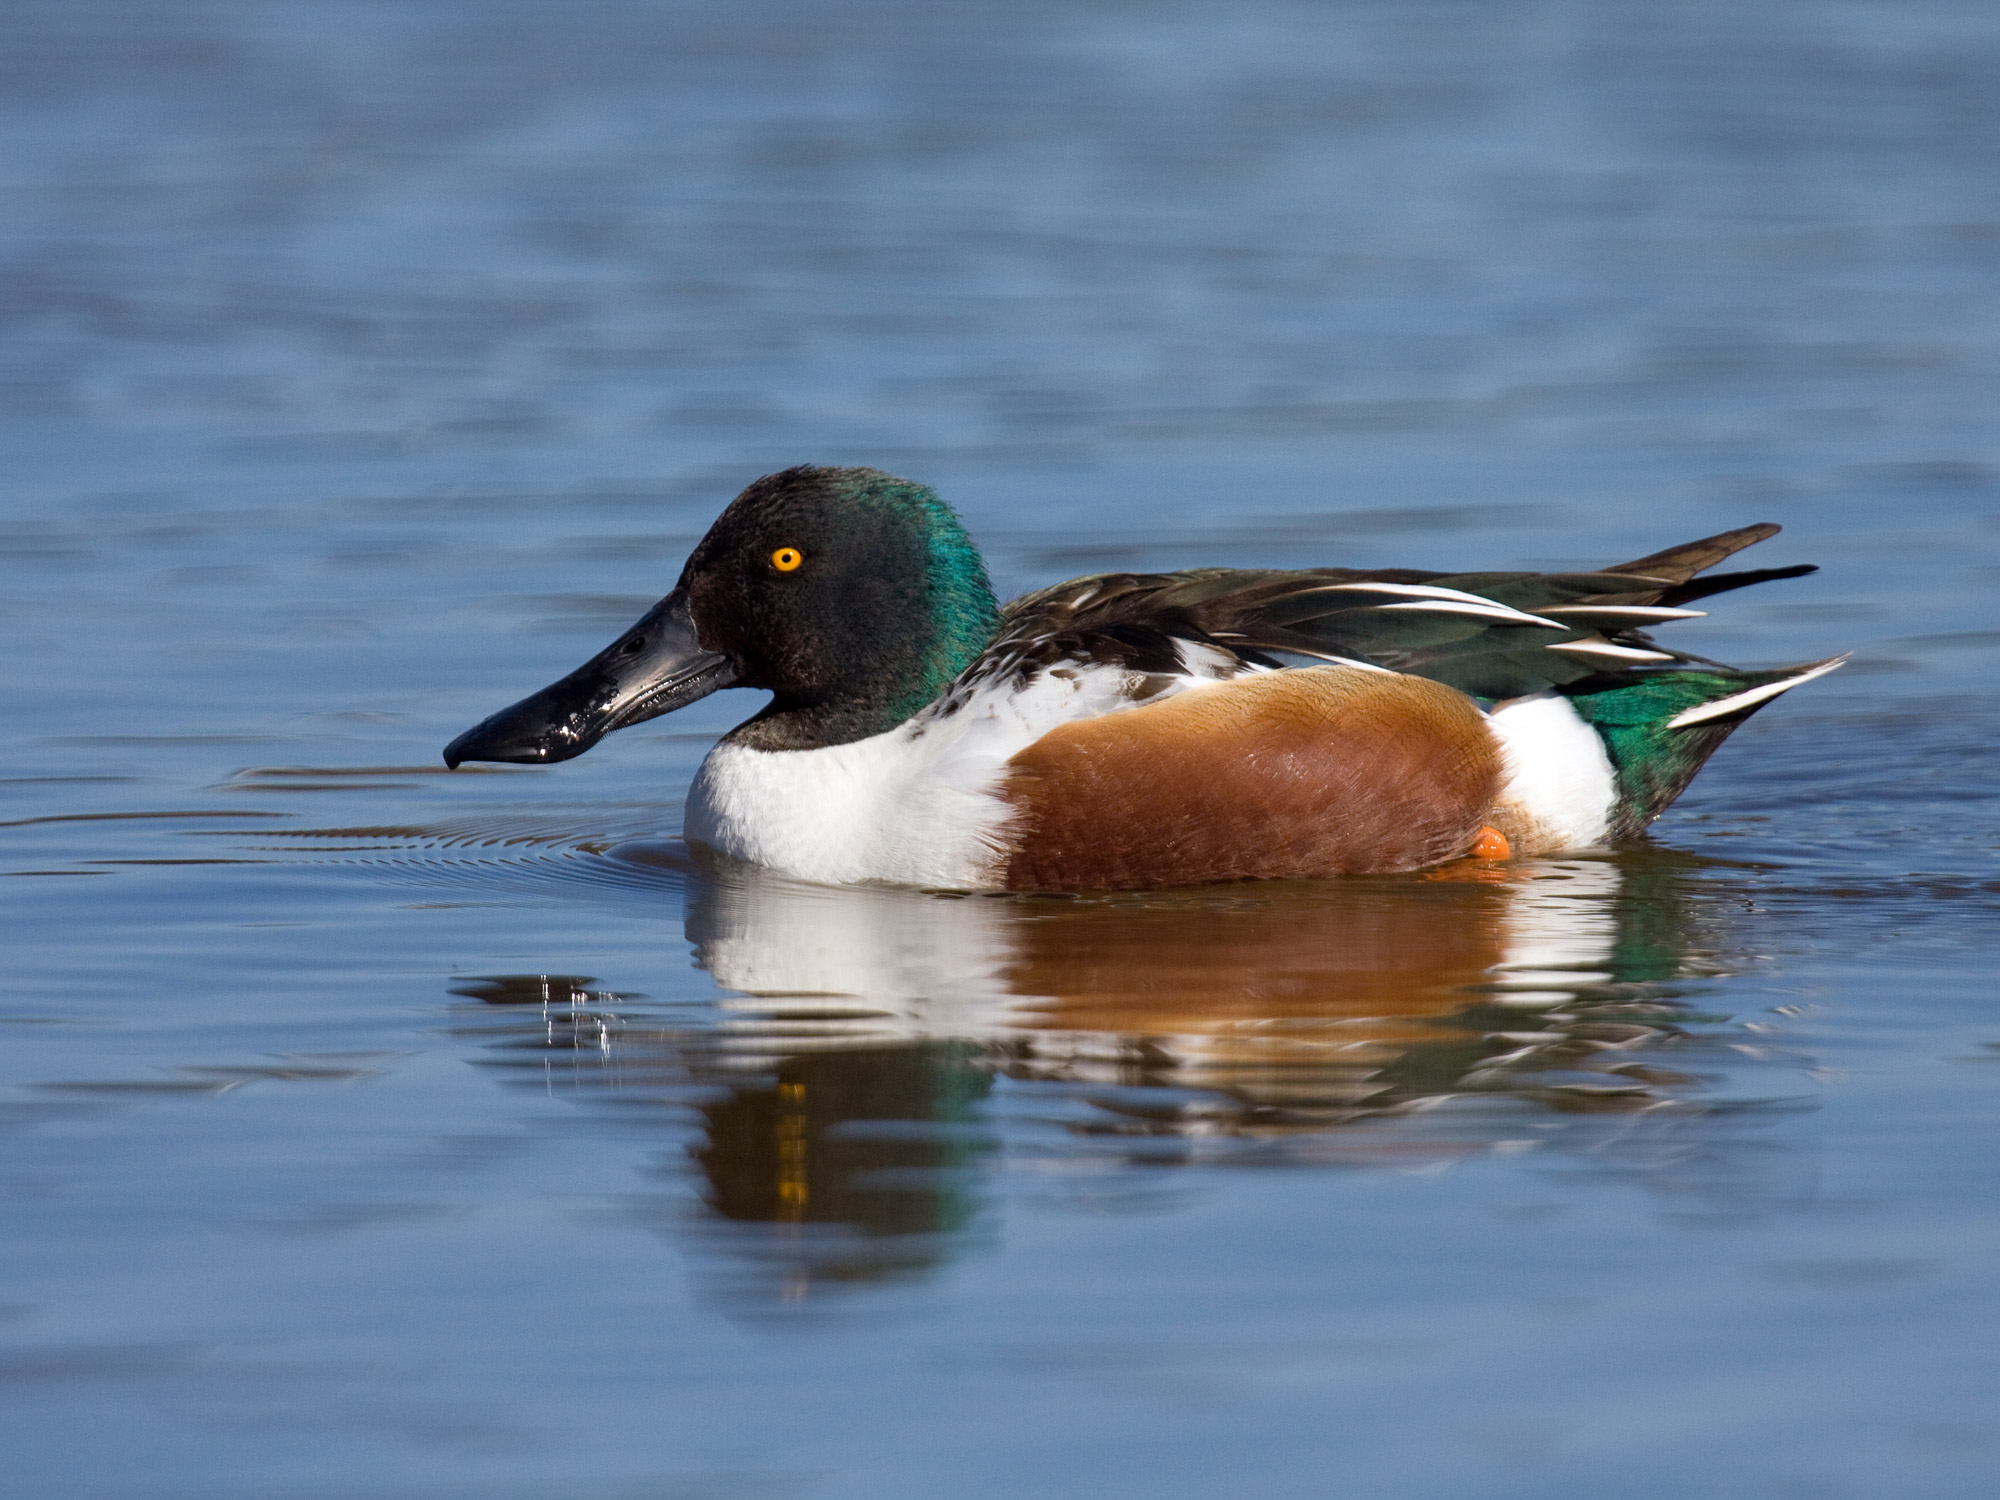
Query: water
point(372, 1131)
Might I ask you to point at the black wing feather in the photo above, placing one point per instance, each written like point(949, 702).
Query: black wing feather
point(1139, 621)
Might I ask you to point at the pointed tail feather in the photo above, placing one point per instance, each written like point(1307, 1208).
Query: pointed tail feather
point(1660, 728)
point(1679, 564)
point(1755, 694)
point(1722, 583)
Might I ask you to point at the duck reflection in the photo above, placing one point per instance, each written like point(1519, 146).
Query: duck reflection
point(868, 1137)
point(842, 1087)
point(1307, 1003)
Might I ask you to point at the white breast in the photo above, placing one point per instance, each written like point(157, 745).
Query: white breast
point(915, 806)
point(1559, 776)
point(904, 807)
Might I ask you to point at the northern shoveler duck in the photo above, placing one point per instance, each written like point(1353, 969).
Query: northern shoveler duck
point(1141, 730)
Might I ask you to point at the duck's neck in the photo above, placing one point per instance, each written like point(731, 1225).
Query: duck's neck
point(815, 726)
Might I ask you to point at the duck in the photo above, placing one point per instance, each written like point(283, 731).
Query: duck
point(1135, 731)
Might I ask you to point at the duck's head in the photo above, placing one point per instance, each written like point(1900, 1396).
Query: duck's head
point(853, 596)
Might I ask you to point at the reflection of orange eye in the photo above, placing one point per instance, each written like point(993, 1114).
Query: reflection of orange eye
point(785, 559)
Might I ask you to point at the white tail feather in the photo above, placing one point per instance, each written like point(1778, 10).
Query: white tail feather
point(1701, 713)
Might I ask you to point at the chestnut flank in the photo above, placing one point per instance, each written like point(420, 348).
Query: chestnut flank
point(1308, 772)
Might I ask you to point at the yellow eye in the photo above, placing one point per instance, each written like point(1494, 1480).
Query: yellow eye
point(785, 559)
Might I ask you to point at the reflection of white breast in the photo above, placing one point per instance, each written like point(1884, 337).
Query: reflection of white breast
point(1561, 930)
point(865, 962)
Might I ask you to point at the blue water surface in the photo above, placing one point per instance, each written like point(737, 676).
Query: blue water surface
point(371, 1131)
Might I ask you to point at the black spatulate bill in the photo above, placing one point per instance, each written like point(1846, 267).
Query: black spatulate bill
point(653, 668)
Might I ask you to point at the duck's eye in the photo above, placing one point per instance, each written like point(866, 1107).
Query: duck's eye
point(632, 645)
point(787, 559)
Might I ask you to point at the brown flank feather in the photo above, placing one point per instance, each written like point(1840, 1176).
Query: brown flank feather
point(1309, 772)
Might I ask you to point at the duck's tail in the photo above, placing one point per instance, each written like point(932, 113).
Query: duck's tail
point(1660, 727)
point(1676, 566)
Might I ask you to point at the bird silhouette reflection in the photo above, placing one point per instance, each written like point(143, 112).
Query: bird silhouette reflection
point(848, 1083)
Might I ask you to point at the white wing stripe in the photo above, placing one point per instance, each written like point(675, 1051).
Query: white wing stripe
point(1407, 591)
point(1638, 614)
point(1482, 609)
point(1610, 652)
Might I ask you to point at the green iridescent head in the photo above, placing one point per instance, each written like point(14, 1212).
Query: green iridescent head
point(855, 597)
